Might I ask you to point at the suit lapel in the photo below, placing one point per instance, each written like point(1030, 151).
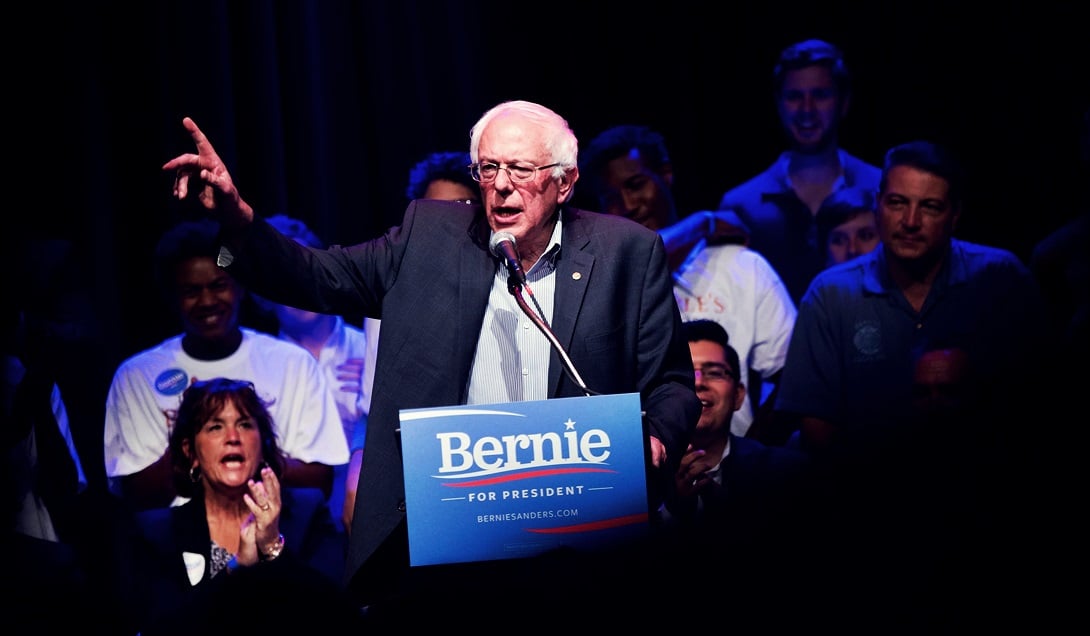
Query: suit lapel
point(573, 270)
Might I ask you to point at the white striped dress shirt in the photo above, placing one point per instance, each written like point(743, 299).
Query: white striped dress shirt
point(512, 359)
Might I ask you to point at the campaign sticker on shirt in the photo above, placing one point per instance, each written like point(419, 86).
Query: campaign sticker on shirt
point(171, 382)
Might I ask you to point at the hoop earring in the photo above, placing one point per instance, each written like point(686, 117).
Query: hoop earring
point(195, 474)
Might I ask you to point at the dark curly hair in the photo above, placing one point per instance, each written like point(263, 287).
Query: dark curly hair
point(200, 402)
point(182, 242)
point(446, 166)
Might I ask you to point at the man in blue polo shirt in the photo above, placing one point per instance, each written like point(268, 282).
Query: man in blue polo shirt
point(861, 324)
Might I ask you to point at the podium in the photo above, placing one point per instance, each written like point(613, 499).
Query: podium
point(500, 481)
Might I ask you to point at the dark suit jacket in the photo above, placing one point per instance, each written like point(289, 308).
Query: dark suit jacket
point(754, 531)
point(154, 588)
point(761, 485)
point(429, 281)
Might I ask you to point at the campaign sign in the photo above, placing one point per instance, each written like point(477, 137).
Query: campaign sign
point(502, 481)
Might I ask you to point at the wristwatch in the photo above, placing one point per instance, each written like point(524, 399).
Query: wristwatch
point(270, 552)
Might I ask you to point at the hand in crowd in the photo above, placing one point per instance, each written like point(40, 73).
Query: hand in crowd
point(262, 528)
point(692, 476)
point(658, 452)
point(350, 375)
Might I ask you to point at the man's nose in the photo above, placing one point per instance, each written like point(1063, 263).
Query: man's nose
point(912, 216)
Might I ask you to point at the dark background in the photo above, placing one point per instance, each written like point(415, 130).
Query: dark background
point(320, 109)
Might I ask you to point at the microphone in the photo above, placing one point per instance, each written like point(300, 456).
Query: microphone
point(502, 244)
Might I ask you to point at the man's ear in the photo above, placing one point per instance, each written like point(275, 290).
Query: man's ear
point(567, 184)
point(739, 395)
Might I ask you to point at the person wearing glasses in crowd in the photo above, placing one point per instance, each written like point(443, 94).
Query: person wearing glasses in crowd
point(721, 470)
point(453, 334)
point(737, 504)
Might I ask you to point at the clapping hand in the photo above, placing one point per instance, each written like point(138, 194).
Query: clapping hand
point(262, 527)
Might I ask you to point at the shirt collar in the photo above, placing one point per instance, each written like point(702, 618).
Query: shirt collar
point(783, 177)
point(547, 261)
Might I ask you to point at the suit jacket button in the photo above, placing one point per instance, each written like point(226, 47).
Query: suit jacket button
point(401, 506)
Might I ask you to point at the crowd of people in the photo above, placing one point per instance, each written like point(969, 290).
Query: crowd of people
point(819, 363)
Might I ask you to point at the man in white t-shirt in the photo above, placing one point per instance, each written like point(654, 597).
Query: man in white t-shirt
point(147, 387)
point(628, 169)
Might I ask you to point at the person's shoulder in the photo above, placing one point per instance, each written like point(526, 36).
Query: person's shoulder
point(600, 224)
point(980, 255)
point(843, 279)
point(155, 523)
point(747, 192)
point(739, 258)
point(987, 262)
point(267, 345)
point(860, 173)
point(252, 337)
point(154, 516)
point(850, 270)
point(754, 259)
point(166, 348)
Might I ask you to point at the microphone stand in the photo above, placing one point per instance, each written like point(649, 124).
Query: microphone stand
point(515, 288)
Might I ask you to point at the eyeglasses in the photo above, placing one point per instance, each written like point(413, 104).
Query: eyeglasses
point(714, 372)
point(487, 172)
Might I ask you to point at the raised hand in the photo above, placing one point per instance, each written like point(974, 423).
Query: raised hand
point(215, 189)
point(262, 527)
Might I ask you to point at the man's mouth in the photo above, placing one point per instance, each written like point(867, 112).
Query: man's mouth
point(210, 319)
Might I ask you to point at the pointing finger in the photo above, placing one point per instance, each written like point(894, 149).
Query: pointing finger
point(204, 147)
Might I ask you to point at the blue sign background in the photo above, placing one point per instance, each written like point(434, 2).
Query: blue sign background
point(470, 514)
